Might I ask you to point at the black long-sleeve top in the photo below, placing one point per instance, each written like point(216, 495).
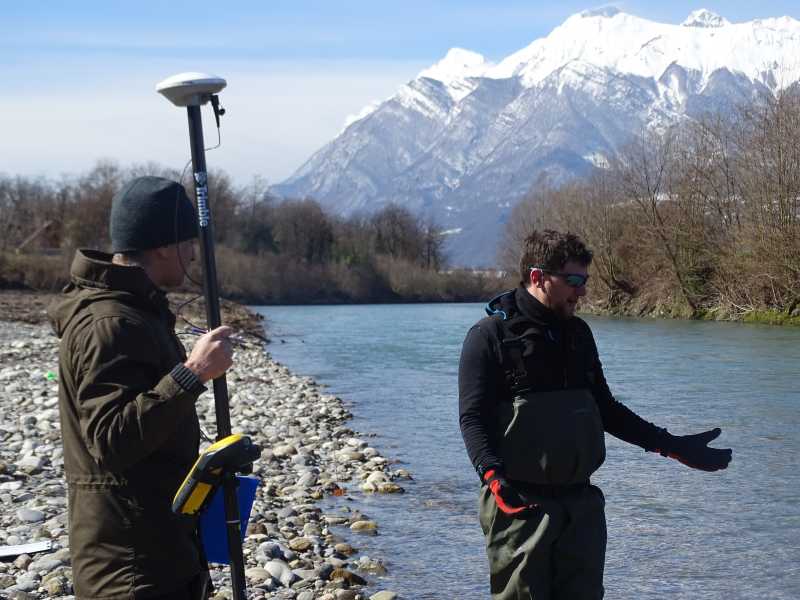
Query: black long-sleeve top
point(566, 356)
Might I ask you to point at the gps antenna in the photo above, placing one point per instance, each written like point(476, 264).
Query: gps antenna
point(192, 90)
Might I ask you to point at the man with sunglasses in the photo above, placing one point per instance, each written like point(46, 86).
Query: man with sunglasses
point(534, 406)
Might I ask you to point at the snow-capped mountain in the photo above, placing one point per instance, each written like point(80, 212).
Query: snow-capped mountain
point(466, 139)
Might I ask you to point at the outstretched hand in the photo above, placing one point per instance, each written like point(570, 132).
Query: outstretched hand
point(694, 452)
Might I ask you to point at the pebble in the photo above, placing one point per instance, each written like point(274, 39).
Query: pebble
point(293, 551)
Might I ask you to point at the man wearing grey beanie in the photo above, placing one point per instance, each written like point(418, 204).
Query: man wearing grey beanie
point(127, 394)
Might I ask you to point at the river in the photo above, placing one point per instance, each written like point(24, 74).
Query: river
point(673, 532)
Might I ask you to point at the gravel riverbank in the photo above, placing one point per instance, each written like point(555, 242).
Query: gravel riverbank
point(293, 549)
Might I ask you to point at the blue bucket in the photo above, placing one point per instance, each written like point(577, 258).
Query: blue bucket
point(212, 522)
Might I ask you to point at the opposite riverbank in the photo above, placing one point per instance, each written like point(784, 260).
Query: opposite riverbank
point(293, 549)
point(29, 307)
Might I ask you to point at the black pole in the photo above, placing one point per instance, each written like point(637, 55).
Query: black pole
point(214, 320)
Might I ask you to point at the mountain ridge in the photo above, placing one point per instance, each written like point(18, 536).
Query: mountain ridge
point(467, 138)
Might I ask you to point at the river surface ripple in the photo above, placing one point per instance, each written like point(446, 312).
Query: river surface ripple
point(673, 532)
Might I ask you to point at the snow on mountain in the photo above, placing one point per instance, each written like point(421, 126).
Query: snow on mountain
point(704, 42)
point(457, 71)
point(465, 139)
point(704, 18)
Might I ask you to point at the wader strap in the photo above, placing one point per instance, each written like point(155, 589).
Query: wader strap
point(514, 366)
point(513, 350)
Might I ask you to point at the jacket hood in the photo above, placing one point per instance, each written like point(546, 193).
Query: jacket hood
point(503, 304)
point(94, 277)
point(518, 301)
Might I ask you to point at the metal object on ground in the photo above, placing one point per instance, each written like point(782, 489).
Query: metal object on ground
point(19, 549)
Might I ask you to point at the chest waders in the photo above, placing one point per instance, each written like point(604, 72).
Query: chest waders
point(551, 440)
point(547, 438)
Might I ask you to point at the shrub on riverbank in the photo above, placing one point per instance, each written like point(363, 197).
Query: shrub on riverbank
point(702, 221)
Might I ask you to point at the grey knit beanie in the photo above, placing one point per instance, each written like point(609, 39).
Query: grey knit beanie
point(150, 212)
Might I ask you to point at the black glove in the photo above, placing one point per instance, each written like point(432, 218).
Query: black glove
point(693, 450)
point(506, 497)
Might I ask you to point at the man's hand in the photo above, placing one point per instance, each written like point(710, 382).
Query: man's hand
point(212, 354)
point(693, 450)
point(506, 497)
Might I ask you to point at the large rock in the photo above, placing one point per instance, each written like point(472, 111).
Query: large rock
point(364, 527)
point(30, 464)
point(29, 515)
point(281, 571)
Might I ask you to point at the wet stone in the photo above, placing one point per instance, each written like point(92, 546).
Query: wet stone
point(344, 549)
point(348, 577)
point(364, 527)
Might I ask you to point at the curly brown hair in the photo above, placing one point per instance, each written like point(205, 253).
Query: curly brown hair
point(551, 250)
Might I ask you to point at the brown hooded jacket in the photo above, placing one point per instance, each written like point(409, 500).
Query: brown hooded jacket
point(130, 433)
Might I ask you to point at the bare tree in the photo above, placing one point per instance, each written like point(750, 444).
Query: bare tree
point(303, 231)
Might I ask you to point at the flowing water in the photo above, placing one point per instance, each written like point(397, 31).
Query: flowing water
point(673, 532)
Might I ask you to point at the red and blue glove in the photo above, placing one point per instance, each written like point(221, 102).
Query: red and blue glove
point(508, 499)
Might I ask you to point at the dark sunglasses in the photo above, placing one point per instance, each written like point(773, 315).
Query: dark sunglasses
point(575, 280)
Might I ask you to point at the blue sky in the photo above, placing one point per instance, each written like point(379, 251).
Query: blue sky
point(79, 76)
